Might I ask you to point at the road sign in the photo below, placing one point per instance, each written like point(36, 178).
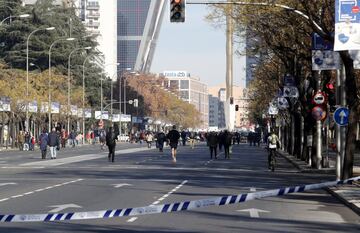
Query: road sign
point(341, 116)
point(319, 98)
point(289, 80)
point(318, 113)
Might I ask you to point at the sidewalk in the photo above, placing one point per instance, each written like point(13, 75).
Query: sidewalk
point(348, 194)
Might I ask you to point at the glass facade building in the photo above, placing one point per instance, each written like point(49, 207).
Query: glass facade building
point(138, 24)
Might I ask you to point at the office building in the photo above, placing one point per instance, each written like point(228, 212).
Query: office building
point(191, 90)
point(138, 24)
point(240, 98)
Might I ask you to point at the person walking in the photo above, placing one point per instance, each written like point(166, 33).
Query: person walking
point(20, 140)
point(53, 143)
point(173, 137)
point(149, 139)
point(72, 138)
point(212, 139)
point(192, 139)
point(183, 137)
point(273, 143)
point(227, 136)
point(161, 138)
point(43, 142)
point(221, 140)
point(111, 138)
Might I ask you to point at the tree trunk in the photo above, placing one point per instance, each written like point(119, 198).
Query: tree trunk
point(352, 100)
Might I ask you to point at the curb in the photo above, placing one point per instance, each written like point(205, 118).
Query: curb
point(352, 206)
point(343, 200)
point(305, 170)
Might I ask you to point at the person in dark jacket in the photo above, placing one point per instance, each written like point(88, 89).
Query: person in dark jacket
point(43, 142)
point(183, 137)
point(161, 138)
point(212, 139)
point(173, 137)
point(227, 143)
point(221, 140)
point(111, 143)
point(53, 143)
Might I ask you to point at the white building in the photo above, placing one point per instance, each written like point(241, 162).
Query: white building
point(191, 90)
point(100, 18)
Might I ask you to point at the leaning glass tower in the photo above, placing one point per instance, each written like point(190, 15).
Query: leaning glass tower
point(138, 24)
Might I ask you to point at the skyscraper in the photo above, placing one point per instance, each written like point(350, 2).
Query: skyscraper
point(138, 24)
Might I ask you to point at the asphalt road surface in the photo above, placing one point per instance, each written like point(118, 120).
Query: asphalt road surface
point(82, 179)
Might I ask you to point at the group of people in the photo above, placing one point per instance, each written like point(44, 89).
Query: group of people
point(25, 141)
point(221, 139)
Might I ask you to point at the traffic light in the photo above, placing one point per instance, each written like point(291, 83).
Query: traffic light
point(236, 107)
point(231, 100)
point(177, 11)
point(330, 91)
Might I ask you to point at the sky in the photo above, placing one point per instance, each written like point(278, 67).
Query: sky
point(195, 46)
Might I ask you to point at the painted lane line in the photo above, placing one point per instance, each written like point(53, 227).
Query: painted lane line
point(80, 158)
point(36, 191)
point(169, 193)
point(133, 219)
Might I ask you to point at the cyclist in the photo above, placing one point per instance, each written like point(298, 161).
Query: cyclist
point(273, 142)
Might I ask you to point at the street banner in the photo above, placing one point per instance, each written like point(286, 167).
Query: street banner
point(325, 60)
point(347, 25)
point(116, 117)
point(88, 113)
point(126, 118)
point(105, 115)
point(291, 92)
point(79, 112)
point(323, 56)
point(55, 107)
point(33, 107)
point(5, 104)
point(44, 107)
point(21, 105)
point(289, 80)
point(73, 110)
point(283, 103)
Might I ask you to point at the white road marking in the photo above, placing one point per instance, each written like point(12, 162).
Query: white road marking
point(80, 158)
point(63, 207)
point(4, 184)
point(38, 190)
point(133, 219)
point(254, 213)
point(121, 185)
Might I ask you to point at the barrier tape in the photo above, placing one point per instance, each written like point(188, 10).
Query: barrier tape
point(167, 208)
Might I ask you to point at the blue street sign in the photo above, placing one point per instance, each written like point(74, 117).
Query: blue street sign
point(341, 116)
point(318, 43)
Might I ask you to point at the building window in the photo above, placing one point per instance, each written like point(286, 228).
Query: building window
point(184, 84)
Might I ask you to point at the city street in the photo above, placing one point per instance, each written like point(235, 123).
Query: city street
point(82, 179)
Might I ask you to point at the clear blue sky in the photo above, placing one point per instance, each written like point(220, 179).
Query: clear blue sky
point(194, 46)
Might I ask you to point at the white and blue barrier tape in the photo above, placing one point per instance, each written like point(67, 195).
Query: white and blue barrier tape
point(167, 208)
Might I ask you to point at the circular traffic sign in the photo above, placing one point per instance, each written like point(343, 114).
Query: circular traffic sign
point(355, 9)
point(341, 116)
point(318, 113)
point(319, 98)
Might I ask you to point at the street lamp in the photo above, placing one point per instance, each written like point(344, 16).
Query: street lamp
point(69, 83)
point(51, 46)
point(27, 71)
point(17, 16)
point(127, 69)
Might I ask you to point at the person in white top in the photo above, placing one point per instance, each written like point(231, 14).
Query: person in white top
point(149, 139)
point(273, 143)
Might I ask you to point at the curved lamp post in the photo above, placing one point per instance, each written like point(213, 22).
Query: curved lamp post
point(69, 84)
point(16, 16)
point(27, 71)
point(51, 46)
